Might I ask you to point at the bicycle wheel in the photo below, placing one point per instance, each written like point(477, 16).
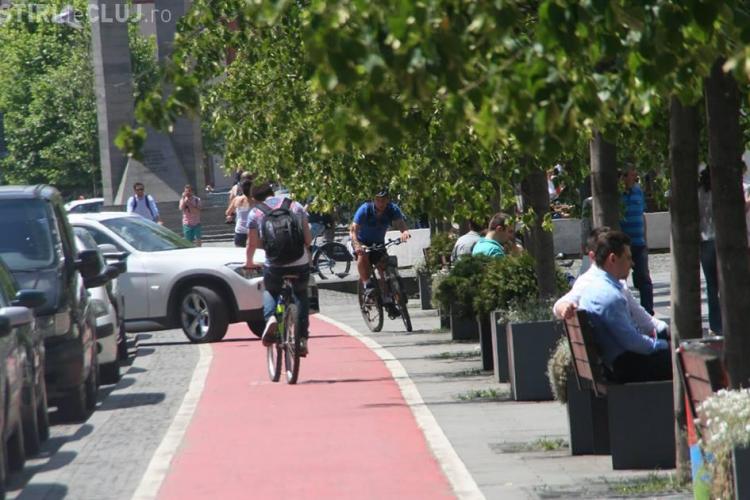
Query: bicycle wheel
point(399, 296)
point(332, 259)
point(371, 308)
point(291, 343)
point(273, 355)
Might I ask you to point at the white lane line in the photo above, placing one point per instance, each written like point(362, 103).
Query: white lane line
point(159, 466)
point(453, 467)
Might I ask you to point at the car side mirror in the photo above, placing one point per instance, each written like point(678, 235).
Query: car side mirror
point(89, 264)
point(112, 271)
point(96, 281)
point(112, 252)
point(29, 298)
point(14, 317)
point(120, 265)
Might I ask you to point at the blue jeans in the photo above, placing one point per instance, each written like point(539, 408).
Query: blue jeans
point(273, 281)
point(642, 277)
point(708, 263)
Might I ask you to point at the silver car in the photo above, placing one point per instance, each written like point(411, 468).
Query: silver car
point(170, 283)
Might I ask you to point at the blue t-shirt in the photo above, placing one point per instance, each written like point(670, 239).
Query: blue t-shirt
point(487, 246)
point(632, 223)
point(372, 228)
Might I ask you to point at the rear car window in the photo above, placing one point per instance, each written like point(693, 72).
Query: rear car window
point(27, 235)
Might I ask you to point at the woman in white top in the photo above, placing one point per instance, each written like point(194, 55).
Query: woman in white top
point(240, 206)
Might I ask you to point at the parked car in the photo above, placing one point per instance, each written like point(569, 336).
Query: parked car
point(34, 390)
point(23, 401)
point(38, 247)
point(85, 206)
point(107, 306)
point(172, 284)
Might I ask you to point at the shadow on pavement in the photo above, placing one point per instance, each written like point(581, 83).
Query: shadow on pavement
point(52, 491)
point(132, 400)
point(345, 380)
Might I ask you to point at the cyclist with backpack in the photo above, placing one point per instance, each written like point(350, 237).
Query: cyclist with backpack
point(143, 204)
point(279, 226)
point(371, 221)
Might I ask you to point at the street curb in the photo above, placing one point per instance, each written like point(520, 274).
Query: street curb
point(158, 467)
point(455, 470)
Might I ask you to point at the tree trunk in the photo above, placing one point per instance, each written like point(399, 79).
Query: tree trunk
point(686, 285)
point(725, 158)
point(605, 191)
point(540, 244)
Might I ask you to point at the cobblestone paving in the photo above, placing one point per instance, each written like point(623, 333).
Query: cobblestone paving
point(106, 456)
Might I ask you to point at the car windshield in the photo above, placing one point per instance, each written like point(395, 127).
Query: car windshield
point(26, 242)
point(144, 235)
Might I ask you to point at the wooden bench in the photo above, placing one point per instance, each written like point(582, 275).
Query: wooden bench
point(702, 370)
point(640, 416)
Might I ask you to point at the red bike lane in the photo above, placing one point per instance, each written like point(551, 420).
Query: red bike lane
point(344, 431)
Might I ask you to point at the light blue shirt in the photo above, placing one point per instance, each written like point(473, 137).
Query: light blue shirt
point(487, 246)
point(614, 330)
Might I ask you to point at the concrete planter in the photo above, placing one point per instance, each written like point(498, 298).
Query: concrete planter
point(463, 327)
point(485, 340)
point(499, 339)
point(741, 470)
point(425, 290)
point(445, 319)
point(587, 420)
point(529, 348)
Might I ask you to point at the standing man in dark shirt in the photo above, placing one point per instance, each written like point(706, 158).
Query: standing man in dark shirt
point(634, 225)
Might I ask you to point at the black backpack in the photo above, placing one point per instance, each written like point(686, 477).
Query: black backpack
point(281, 232)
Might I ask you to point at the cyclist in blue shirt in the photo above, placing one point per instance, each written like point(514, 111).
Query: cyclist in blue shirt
point(371, 221)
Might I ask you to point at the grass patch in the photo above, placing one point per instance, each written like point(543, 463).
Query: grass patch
point(653, 484)
point(541, 444)
point(455, 355)
point(474, 372)
point(482, 395)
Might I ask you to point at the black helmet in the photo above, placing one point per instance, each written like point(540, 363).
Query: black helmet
point(383, 193)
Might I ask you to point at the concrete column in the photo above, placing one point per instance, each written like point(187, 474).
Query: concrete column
point(113, 79)
point(186, 135)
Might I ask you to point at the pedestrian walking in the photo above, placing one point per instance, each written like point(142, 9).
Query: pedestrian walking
point(143, 204)
point(191, 216)
point(240, 207)
point(634, 225)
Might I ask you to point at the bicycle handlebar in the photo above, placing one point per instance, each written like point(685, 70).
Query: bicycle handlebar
point(381, 246)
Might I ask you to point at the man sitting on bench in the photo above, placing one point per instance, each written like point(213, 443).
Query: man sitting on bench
point(628, 354)
point(566, 306)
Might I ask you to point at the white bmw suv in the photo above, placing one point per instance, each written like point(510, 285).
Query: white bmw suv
point(170, 283)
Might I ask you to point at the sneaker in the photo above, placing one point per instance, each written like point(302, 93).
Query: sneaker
point(269, 334)
point(303, 347)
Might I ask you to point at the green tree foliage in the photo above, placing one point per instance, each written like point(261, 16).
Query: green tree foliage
point(47, 96)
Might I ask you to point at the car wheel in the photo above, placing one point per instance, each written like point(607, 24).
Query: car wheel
point(122, 343)
point(72, 406)
point(16, 450)
point(257, 327)
point(30, 415)
point(203, 315)
point(42, 418)
point(109, 373)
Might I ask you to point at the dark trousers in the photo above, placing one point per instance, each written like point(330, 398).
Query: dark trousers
point(633, 367)
point(708, 263)
point(642, 277)
point(240, 239)
point(273, 280)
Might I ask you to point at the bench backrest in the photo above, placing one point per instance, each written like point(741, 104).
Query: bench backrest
point(587, 363)
point(702, 370)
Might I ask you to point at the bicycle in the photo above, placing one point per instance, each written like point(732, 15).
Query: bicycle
point(330, 259)
point(371, 302)
point(287, 343)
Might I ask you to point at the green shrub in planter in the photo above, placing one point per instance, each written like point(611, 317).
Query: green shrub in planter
point(456, 289)
point(439, 253)
point(559, 367)
point(509, 280)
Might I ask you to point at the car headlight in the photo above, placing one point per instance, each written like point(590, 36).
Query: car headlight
point(99, 307)
point(54, 324)
point(245, 272)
